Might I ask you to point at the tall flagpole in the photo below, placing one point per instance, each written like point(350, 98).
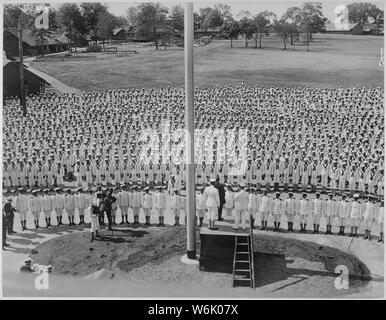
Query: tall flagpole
point(189, 131)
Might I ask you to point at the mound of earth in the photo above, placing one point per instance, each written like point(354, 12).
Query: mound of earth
point(311, 263)
point(124, 249)
point(284, 266)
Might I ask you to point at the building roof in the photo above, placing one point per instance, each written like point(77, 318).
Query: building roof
point(117, 30)
point(32, 38)
point(5, 59)
point(26, 69)
point(332, 27)
point(208, 30)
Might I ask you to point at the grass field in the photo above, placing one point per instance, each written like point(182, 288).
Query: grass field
point(333, 60)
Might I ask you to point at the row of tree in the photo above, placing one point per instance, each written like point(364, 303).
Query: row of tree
point(307, 19)
point(95, 21)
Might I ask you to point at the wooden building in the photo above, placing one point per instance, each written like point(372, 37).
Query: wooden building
point(351, 28)
point(34, 43)
point(33, 84)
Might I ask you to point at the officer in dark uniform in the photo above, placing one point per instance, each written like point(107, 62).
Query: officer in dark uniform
point(221, 191)
point(5, 244)
point(101, 205)
point(10, 214)
point(108, 201)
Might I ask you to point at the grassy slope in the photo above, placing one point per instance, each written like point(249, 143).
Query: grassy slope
point(334, 60)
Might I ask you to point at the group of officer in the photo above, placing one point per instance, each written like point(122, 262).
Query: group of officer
point(249, 202)
point(305, 137)
point(240, 201)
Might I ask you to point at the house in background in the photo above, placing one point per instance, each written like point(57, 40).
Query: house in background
point(210, 32)
point(33, 84)
point(120, 34)
point(372, 29)
point(78, 39)
point(34, 43)
point(352, 28)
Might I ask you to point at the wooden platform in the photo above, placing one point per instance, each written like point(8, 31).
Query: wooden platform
point(217, 247)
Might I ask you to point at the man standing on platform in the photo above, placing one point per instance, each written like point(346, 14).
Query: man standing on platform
point(264, 210)
point(221, 191)
point(241, 200)
point(276, 210)
point(212, 202)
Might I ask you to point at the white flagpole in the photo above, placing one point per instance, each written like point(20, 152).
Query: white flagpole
point(189, 131)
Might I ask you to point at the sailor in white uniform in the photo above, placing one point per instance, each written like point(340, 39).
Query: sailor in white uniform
point(200, 205)
point(368, 216)
point(212, 202)
point(276, 210)
point(343, 213)
point(241, 207)
point(355, 215)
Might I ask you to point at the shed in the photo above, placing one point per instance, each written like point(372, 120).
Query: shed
point(33, 84)
point(350, 28)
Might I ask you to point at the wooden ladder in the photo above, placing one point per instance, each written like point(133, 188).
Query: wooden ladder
point(243, 273)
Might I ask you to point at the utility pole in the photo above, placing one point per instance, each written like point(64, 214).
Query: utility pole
point(189, 132)
point(22, 92)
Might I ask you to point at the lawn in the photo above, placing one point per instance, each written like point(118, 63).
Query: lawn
point(332, 61)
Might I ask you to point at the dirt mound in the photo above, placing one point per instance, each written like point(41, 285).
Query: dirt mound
point(125, 249)
point(307, 261)
point(284, 266)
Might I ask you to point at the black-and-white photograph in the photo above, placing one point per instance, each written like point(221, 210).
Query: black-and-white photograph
point(222, 150)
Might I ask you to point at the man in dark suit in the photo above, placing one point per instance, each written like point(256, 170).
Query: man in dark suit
point(9, 211)
point(221, 191)
point(5, 244)
point(101, 205)
point(108, 201)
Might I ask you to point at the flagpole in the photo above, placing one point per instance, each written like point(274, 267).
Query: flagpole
point(189, 131)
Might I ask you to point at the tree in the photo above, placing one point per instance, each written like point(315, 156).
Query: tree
point(177, 18)
point(282, 27)
point(132, 15)
point(293, 18)
point(203, 12)
point(213, 19)
point(70, 18)
point(105, 26)
point(312, 19)
point(230, 30)
point(17, 18)
point(149, 17)
point(366, 13)
point(225, 11)
point(243, 14)
point(363, 12)
point(246, 29)
point(262, 22)
point(90, 12)
point(19, 13)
